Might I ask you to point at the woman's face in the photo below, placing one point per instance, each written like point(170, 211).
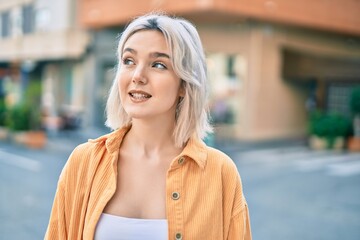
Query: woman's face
point(148, 85)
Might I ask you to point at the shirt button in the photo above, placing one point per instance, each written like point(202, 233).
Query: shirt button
point(175, 195)
point(178, 236)
point(181, 160)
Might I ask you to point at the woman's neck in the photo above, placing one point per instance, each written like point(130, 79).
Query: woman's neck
point(151, 139)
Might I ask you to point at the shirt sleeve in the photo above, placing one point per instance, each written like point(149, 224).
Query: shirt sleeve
point(57, 223)
point(240, 225)
point(66, 209)
point(57, 227)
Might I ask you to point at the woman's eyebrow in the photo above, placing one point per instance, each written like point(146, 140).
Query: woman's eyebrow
point(129, 50)
point(153, 55)
point(159, 54)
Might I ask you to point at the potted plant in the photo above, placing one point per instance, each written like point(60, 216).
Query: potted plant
point(354, 141)
point(18, 118)
point(328, 131)
point(24, 119)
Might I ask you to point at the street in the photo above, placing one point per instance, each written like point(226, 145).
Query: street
point(292, 192)
point(27, 183)
point(295, 193)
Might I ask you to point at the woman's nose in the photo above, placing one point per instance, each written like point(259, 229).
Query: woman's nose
point(139, 76)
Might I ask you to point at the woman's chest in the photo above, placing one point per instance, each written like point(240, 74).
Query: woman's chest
point(140, 191)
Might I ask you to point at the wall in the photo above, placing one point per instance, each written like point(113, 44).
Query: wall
point(340, 16)
point(270, 106)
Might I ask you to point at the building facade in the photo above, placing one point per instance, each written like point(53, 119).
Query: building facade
point(41, 42)
point(269, 61)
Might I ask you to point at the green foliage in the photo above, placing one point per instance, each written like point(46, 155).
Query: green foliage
point(27, 114)
point(18, 118)
point(355, 101)
point(2, 112)
point(329, 126)
point(33, 101)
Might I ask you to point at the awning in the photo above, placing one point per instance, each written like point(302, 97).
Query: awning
point(44, 46)
point(299, 65)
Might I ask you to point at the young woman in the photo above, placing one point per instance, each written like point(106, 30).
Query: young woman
point(152, 177)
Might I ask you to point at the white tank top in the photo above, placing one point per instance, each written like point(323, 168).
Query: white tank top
point(111, 227)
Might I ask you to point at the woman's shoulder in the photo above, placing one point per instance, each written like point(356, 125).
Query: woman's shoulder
point(85, 152)
point(104, 142)
point(230, 175)
point(216, 156)
point(217, 159)
point(84, 159)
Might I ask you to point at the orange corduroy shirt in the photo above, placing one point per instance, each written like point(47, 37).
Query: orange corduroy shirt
point(204, 197)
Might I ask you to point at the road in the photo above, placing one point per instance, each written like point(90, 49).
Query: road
point(28, 181)
point(293, 193)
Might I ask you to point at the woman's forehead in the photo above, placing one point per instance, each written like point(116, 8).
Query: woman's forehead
point(146, 41)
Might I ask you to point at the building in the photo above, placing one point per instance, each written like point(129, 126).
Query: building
point(41, 42)
point(267, 59)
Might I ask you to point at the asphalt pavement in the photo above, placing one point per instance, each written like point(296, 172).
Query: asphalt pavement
point(293, 193)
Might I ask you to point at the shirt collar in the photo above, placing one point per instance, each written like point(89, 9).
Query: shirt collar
point(112, 140)
point(195, 149)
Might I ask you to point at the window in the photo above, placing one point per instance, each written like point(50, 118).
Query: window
point(28, 19)
point(5, 24)
point(42, 19)
point(225, 74)
point(338, 97)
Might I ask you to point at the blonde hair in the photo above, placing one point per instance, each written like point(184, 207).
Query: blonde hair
point(188, 60)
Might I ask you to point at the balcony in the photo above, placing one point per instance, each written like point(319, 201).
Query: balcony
point(44, 46)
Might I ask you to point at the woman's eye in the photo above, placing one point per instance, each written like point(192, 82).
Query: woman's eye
point(128, 61)
point(159, 65)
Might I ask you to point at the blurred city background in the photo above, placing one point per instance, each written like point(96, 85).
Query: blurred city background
point(285, 102)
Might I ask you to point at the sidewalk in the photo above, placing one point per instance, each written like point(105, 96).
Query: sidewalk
point(68, 140)
point(244, 146)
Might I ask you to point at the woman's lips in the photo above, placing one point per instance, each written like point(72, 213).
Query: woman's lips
point(139, 96)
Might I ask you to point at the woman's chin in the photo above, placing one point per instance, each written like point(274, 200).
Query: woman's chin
point(137, 115)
